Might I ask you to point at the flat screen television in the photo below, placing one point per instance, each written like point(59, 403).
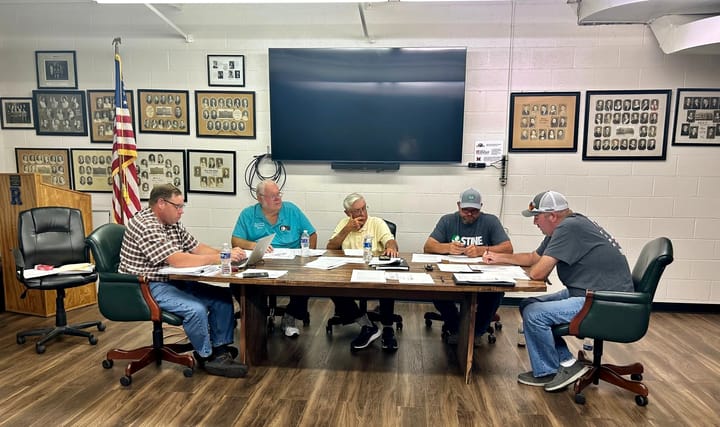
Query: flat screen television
point(360, 106)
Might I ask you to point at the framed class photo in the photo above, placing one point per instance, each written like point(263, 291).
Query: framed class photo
point(56, 69)
point(60, 112)
point(697, 117)
point(157, 167)
point(51, 163)
point(226, 70)
point(92, 170)
point(225, 114)
point(626, 125)
point(211, 172)
point(17, 113)
point(101, 113)
point(163, 111)
point(544, 121)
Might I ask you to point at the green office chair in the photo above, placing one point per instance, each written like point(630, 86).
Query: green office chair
point(619, 317)
point(127, 298)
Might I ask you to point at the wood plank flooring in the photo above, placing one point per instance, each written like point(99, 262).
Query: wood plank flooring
point(316, 381)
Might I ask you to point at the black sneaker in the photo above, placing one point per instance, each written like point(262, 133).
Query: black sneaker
point(224, 366)
point(527, 378)
point(368, 334)
point(216, 352)
point(389, 343)
point(566, 376)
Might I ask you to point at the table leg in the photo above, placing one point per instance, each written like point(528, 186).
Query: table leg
point(253, 332)
point(466, 334)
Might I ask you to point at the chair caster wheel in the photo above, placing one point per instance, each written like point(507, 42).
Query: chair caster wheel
point(399, 326)
point(428, 323)
point(107, 363)
point(125, 380)
point(636, 377)
point(39, 348)
point(498, 326)
point(101, 327)
point(641, 400)
point(580, 399)
point(20, 340)
point(328, 330)
point(188, 372)
point(492, 339)
point(93, 340)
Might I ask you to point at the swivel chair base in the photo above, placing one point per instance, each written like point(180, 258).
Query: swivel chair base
point(612, 374)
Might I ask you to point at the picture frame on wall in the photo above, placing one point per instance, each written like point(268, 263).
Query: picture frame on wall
point(92, 170)
point(155, 167)
point(52, 164)
point(697, 117)
point(211, 172)
point(60, 112)
point(225, 114)
point(163, 111)
point(544, 121)
point(17, 113)
point(101, 113)
point(626, 124)
point(226, 70)
point(56, 69)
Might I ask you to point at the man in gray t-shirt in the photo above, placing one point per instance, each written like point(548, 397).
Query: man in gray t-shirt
point(586, 257)
point(468, 232)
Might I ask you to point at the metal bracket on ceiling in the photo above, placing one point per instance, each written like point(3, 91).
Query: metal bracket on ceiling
point(363, 22)
point(188, 37)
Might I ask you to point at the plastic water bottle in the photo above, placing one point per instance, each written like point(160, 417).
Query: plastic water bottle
point(367, 249)
point(305, 244)
point(225, 267)
point(588, 344)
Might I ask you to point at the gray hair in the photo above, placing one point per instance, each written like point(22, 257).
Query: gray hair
point(350, 199)
point(260, 189)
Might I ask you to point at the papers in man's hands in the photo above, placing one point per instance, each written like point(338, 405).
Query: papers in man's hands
point(201, 270)
point(79, 268)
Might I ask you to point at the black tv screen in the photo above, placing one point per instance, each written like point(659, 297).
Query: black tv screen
point(397, 105)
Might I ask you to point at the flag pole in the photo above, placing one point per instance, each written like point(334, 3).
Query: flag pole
point(121, 157)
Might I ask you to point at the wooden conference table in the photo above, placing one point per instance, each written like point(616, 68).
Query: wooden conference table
point(251, 294)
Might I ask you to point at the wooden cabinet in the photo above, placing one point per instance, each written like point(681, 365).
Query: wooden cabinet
point(19, 192)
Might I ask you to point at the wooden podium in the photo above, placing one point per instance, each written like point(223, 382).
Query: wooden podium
point(19, 192)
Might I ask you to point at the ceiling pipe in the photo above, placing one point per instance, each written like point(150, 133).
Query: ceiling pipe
point(188, 37)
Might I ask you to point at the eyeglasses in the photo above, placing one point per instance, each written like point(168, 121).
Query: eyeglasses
point(177, 206)
point(354, 212)
point(277, 196)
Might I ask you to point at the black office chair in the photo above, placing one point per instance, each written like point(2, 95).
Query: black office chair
point(621, 317)
point(374, 314)
point(433, 315)
point(53, 236)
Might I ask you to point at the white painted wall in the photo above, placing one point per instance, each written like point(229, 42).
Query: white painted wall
point(543, 51)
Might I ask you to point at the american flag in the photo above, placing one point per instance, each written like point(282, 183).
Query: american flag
point(126, 198)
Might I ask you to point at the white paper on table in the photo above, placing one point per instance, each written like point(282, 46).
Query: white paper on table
point(371, 276)
point(345, 259)
point(326, 263)
point(281, 253)
point(462, 258)
point(455, 268)
point(272, 274)
point(514, 271)
point(427, 258)
point(353, 252)
point(202, 270)
point(410, 278)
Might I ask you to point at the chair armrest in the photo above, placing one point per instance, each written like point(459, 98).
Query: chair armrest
point(19, 264)
point(613, 316)
point(125, 297)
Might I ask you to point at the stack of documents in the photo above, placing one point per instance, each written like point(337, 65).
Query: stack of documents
point(202, 270)
point(81, 268)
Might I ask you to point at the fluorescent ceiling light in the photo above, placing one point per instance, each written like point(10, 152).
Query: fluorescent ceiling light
point(231, 1)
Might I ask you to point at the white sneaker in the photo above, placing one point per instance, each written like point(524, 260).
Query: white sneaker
point(288, 327)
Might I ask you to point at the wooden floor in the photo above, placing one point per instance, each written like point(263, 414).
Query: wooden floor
point(316, 381)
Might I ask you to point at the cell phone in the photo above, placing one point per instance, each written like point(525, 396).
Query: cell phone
point(253, 275)
point(384, 258)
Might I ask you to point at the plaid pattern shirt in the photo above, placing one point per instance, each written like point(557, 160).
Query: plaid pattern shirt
point(148, 243)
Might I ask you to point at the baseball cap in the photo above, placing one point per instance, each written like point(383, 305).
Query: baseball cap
point(547, 201)
point(470, 198)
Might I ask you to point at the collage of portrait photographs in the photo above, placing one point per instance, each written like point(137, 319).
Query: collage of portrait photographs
point(160, 167)
point(52, 164)
point(627, 123)
point(92, 170)
point(698, 118)
point(543, 121)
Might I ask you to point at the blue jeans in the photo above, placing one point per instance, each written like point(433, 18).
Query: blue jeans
point(207, 311)
point(546, 351)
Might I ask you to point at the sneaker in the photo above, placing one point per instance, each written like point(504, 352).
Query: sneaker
point(288, 327)
point(224, 366)
point(527, 378)
point(368, 334)
point(389, 342)
point(200, 361)
point(566, 376)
